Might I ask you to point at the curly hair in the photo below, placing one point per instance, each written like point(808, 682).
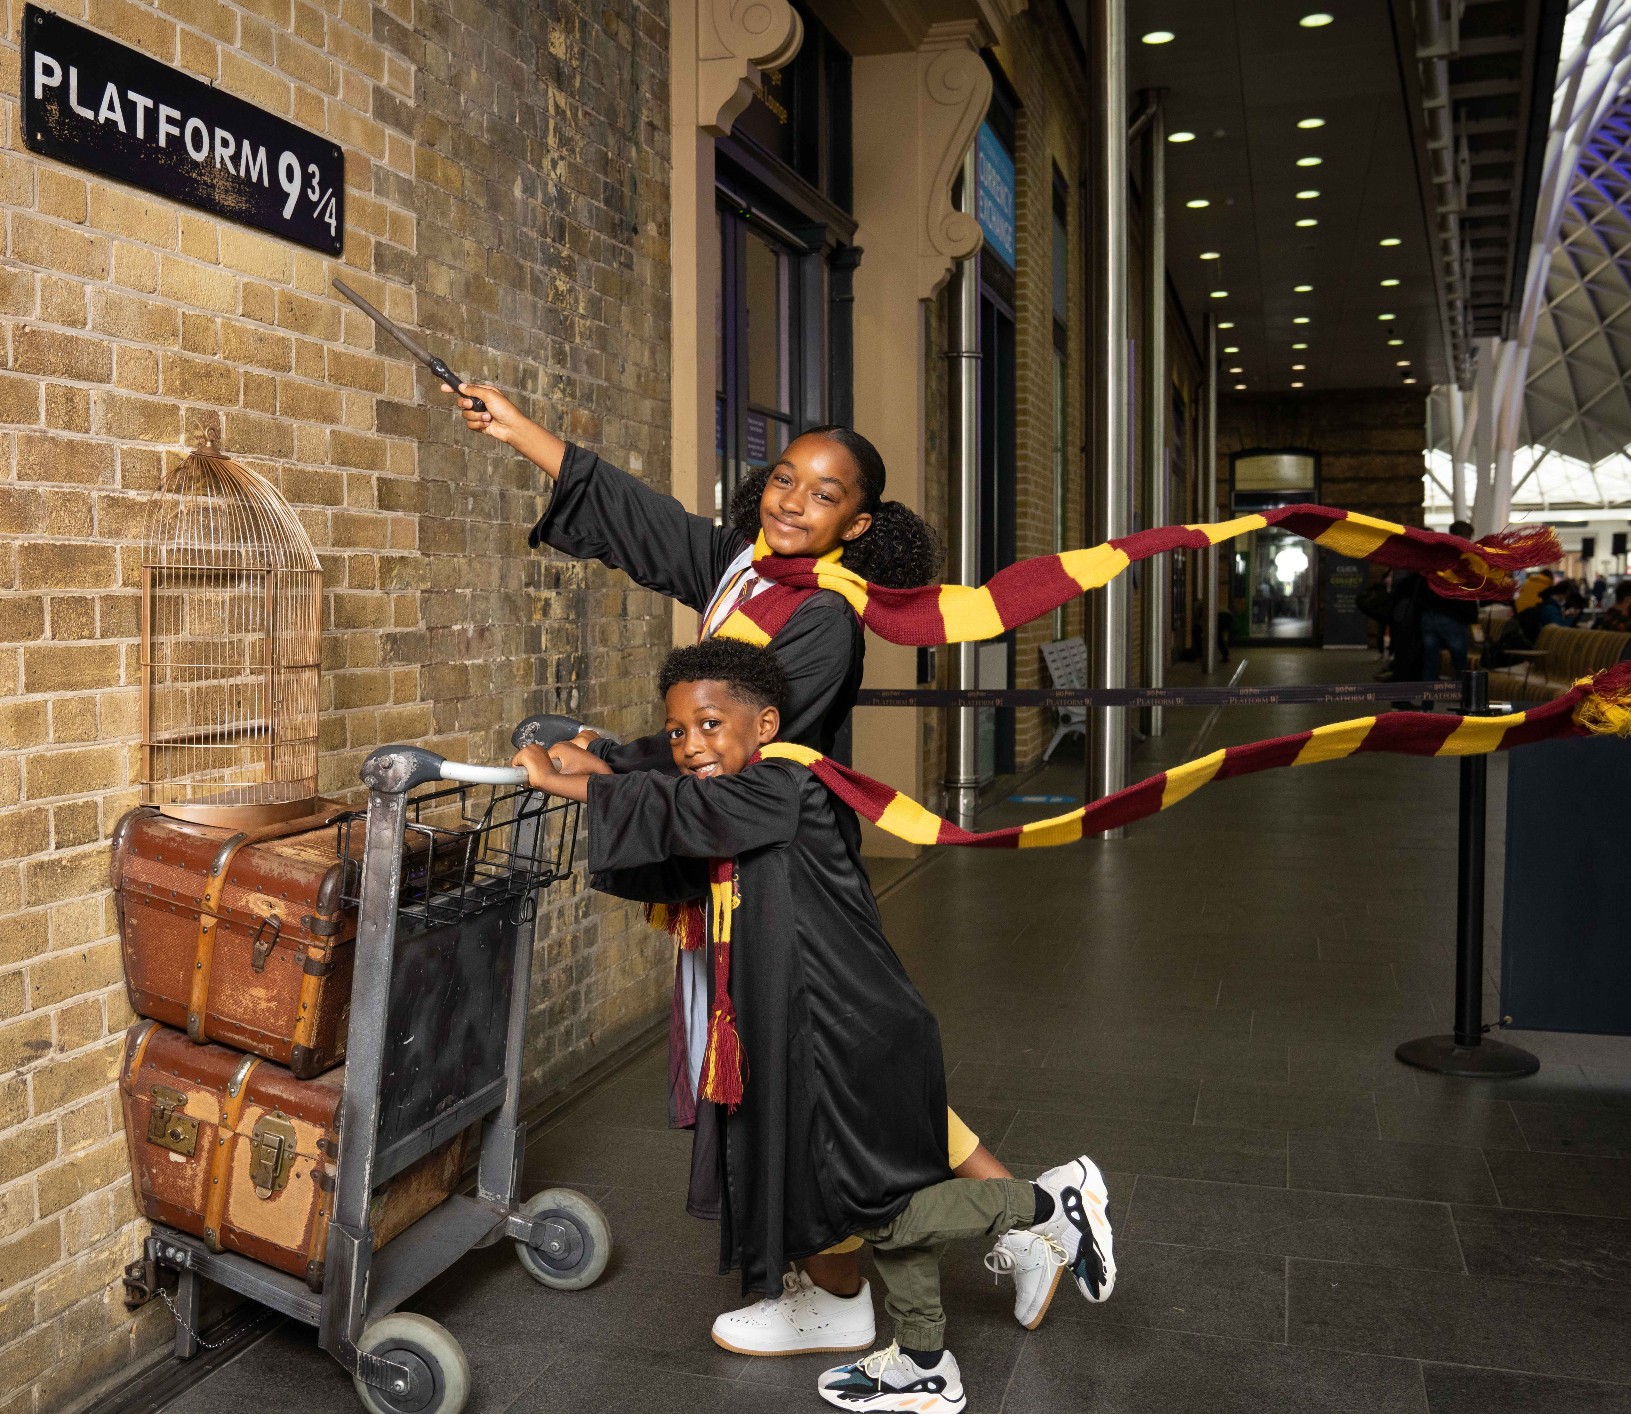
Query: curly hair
point(752, 675)
point(899, 550)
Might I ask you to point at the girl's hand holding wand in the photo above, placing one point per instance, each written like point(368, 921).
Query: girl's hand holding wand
point(505, 422)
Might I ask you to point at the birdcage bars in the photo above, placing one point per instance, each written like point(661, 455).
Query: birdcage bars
point(231, 610)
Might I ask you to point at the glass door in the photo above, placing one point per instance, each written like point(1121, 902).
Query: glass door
point(1273, 574)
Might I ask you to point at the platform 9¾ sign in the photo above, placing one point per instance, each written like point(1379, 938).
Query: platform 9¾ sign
point(99, 104)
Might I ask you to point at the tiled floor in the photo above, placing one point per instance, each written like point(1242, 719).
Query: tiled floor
point(1209, 1008)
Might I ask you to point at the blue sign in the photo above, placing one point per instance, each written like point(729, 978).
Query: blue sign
point(994, 194)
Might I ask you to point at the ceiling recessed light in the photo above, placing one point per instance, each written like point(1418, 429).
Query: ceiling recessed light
point(1296, 385)
point(1299, 346)
point(1402, 363)
point(1198, 203)
point(1240, 387)
point(1318, 20)
point(1233, 348)
point(1237, 370)
point(1311, 122)
point(1180, 137)
point(1409, 380)
point(1302, 289)
point(1210, 254)
point(1307, 221)
point(1226, 324)
point(1395, 343)
point(1389, 284)
point(1388, 240)
point(1309, 161)
point(1300, 319)
point(1308, 195)
point(1299, 367)
point(1220, 294)
point(1159, 36)
point(1385, 317)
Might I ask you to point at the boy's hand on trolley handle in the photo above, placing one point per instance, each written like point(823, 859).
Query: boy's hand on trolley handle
point(544, 773)
point(570, 758)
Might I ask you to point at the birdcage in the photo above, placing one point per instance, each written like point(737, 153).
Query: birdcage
point(231, 617)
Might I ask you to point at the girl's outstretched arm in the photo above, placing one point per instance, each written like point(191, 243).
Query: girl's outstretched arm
point(506, 422)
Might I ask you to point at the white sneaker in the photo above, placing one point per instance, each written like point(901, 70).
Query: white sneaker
point(887, 1379)
point(1036, 1263)
point(802, 1320)
point(1080, 1225)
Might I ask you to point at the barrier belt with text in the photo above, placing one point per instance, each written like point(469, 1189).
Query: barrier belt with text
point(1412, 692)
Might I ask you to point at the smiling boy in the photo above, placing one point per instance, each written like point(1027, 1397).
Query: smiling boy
point(832, 1124)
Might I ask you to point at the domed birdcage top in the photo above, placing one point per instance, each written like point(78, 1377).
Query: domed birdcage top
point(211, 513)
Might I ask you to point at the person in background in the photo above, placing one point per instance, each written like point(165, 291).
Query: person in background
point(1599, 591)
point(1445, 624)
point(1617, 617)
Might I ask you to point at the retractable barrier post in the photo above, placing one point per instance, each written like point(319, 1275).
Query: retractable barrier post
point(1468, 1053)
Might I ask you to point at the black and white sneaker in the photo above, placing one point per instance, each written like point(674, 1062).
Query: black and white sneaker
point(889, 1379)
point(1081, 1225)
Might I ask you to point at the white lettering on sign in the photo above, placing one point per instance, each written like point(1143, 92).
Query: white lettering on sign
point(110, 112)
point(202, 150)
point(141, 103)
point(169, 126)
point(252, 163)
point(73, 94)
point(47, 74)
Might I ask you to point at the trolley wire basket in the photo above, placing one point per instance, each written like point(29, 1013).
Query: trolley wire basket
point(467, 848)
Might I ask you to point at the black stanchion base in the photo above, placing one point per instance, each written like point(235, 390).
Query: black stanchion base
point(1486, 1060)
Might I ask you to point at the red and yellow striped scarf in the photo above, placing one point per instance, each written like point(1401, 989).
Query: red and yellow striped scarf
point(1599, 705)
point(960, 613)
point(724, 1068)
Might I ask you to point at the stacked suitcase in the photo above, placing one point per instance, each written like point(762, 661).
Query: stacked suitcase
point(238, 950)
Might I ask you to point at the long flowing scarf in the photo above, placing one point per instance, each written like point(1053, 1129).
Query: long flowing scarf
point(724, 1068)
point(960, 613)
point(1594, 706)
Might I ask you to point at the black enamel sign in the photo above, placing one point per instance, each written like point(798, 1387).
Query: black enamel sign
point(102, 105)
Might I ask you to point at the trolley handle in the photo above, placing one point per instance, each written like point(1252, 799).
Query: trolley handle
point(551, 728)
point(398, 768)
point(471, 774)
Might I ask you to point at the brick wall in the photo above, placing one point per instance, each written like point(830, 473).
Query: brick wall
point(508, 162)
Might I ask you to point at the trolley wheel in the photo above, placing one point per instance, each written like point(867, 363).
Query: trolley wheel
point(576, 1242)
point(438, 1372)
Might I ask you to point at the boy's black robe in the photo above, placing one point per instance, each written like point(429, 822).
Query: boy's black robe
point(843, 1115)
point(601, 513)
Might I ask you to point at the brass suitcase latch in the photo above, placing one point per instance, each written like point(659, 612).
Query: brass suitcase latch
point(169, 1125)
point(271, 1153)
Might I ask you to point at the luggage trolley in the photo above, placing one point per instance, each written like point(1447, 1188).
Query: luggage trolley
point(444, 945)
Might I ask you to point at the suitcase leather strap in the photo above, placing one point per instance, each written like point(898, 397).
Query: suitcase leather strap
point(232, 1108)
point(208, 924)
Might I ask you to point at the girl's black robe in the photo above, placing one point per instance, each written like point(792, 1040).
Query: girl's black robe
point(601, 513)
point(843, 1115)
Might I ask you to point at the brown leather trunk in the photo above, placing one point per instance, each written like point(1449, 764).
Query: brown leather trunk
point(238, 1151)
point(238, 938)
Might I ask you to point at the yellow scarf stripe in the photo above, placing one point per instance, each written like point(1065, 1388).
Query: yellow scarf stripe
point(1333, 742)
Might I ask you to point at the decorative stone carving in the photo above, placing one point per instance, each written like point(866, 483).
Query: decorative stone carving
point(737, 41)
point(954, 90)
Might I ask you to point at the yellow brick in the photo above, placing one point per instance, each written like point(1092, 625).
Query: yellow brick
point(24, 1150)
point(120, 712)
point(74, 1077)
point(94, 1272)
point(211, 16)
point(85, 1125)
point(78, 1025)
point(68, 409)
point(252, 254)
point(77, 923)
point(258, 302)
point(72, 718)
point(29, 1358)
point(200, 334)
point(17, 176)
point(60, 194)
point(24, 936)
point(16, 1209)
point(21, 621)
point(198, 285)
point(65, 876)
point(306, 64)
point(52, 246)
point(123, 415)
point(84, 1173)
point(24, 1041)
point(135, 268)
point(86, 1364)
point(17, 292)
point(19, 399)
point(54, 355)
point(200, 56)
point(129, 317)
point(74, 824)
point(352, 370)
point(136, 25)
point(133, 216)
point(252, 81)
point(24, 832)
point(22, 512)
point(72, 616)
point(58, 566)
point(199, 380)
point(260, 392)
point(136, 370)
point(259, 348)
point(49, 456)
point(57, 977)
point(22, 724)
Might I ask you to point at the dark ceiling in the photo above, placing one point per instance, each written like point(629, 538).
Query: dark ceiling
point(1241, 75)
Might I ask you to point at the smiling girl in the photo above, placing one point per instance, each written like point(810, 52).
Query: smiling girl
point(824, 493)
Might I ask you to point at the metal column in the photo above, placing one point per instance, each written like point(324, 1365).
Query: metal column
point(1155, 385)
point(1209, 507)
point(1110, 617)
point(963, 787)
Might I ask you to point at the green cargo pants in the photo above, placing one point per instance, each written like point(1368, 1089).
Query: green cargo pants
point(907, 1250)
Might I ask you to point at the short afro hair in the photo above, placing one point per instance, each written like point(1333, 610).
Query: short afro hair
point(752, 675)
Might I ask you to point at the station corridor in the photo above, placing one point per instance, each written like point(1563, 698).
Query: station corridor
point(1209, 1008)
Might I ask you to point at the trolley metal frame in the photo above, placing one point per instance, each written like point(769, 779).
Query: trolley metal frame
point(468, 937)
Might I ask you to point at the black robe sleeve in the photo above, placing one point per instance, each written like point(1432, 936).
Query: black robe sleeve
point(645, 818)
point(601, 513)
